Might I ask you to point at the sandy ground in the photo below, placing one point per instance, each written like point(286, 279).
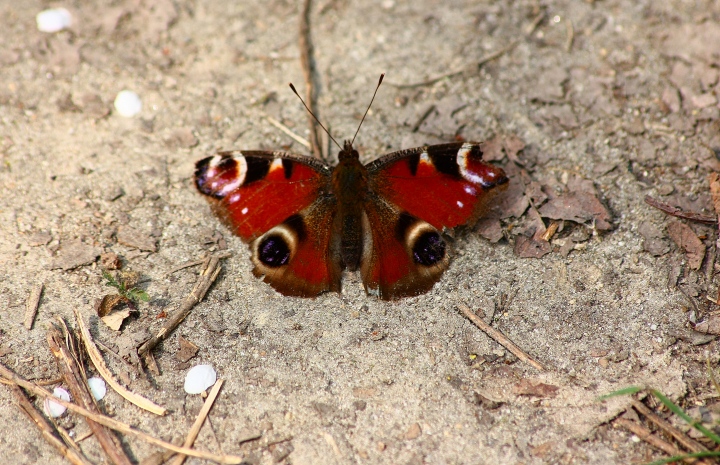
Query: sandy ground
point(619, 94)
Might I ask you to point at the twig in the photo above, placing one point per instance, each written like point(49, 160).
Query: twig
point(307, 61)
point(422, 118)
point(207, 277)
point(117, 357)
point(550, 231)
point(31, 306)
point(688, 443)
point(10, 376)
point(190, 263)
point(102, 368)
point(570, 35)
point(499, 337)
point(430, 81)
point(75, 380)
point(679, 212)
point(286, 130)
point(72, 455)
point(452, 74)
point(497, 54)
point(333, 445)
point(535, 23)
point(195, 430)
point(647, 436)
point(48, 382)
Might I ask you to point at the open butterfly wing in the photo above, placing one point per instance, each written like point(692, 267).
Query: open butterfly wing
point(415, 195)
point(446, 185)
point(273, 200)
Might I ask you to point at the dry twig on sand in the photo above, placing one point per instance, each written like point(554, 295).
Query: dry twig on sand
point(195, 430)
point(62, 347)
point(679, 212)
point(499, 337)
point(207, 277)
point(102, 368)
point(12, 378)
point(646, 435)
point(307, 62)
point(70, 451)
point(31, 306)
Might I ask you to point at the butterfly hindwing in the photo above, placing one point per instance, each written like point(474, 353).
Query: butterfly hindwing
point(402, 254)
point(276, 201)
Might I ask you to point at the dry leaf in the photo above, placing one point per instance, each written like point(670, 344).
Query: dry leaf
point(688, 241)
point(512, 202)
point(513, 144)
point(654, 240)
point(131, 237)
point(527, 247)
point(711, 325)
point(490, 229)
point(492, 150)
point(187, 350)
point(528, 387)
point(115, 320)
point(104, 306)
point(74, 254)
point(714, 181)
point(580, 207)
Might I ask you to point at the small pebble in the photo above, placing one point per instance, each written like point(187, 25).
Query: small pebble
point(199, 378)
point(128, 103)
point(97, 387)
point(53, 20)
point(54, 409)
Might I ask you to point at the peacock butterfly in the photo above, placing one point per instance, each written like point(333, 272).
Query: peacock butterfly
point(307, 221)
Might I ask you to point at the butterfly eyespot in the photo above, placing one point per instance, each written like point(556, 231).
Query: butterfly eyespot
point(424, 242)
point(274, 251)
point(429, 248)
point(219, 175)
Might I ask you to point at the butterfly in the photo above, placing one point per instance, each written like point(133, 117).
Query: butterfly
point(306, 221)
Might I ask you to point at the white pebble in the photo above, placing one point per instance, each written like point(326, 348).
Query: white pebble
point(128, 103)
point(199, 378)
point(54, 409)
point(97, 387)
point(53, 20)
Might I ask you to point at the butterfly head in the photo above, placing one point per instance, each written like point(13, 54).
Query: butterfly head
point(348, 152)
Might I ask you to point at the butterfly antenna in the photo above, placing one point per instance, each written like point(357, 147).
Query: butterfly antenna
point(368, 108)
point(313, 115)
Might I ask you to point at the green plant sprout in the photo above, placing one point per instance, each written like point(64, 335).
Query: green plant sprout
point(127, 291)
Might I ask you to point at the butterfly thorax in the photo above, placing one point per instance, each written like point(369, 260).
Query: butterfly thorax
point(349, 184)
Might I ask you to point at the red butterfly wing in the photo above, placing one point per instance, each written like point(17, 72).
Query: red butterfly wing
point(252, 191)
point(446, 185)
point(414, 195)
point(402, 255)
point(274, 200)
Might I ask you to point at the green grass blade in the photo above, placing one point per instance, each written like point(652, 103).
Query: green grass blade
point(679, 412)
point(622, 392)
point(678, 458)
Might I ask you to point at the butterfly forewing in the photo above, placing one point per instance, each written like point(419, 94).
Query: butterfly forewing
point(253, 191)
point(446, 185)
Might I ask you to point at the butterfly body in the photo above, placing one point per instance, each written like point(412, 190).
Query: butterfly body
point(306, 222)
